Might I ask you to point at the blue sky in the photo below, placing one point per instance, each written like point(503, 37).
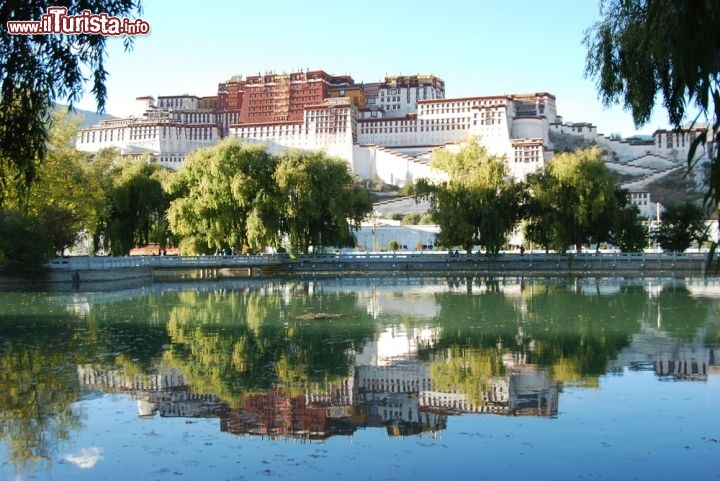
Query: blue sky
point(478, 47)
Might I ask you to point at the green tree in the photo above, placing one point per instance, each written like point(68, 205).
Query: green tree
point(39, 70)
point(680, 225)
point(60, 194)
point(137, 205)
point(629, 233)
point(538, 214)
point(478, 204)
point(60, 225)
point(99, 179)
point(24, 242)
point(225, 198)
point(642, 47)
point(576, 197)
point(322, 204)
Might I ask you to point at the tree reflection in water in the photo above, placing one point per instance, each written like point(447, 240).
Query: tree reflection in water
point(312, 359)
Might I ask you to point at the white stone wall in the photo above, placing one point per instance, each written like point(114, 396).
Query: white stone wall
point(670, 145)
point(530, 128)
point(390, 166)
point(628, 169)
point(168, 141)
point(584, 130)
point(378, 237)
point(330, 129)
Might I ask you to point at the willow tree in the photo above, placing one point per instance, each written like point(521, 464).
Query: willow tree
point(136, 205)
point(478, 204)
point(322, 204)
point(680, 225)
point(574, 198)
point(36, 71)
point(641, 48)
point(225, 198)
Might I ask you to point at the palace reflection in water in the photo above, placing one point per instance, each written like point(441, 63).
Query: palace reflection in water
point(398, 380)
point(400, 396)
point(312, 359)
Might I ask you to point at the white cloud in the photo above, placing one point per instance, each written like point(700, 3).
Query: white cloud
point(86, 458)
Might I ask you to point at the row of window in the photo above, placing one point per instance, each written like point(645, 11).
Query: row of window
point(678, 137)
point(142, 133)
point(108, 135)
point(412, 128)
point(269, 91)
point(529, 112)
point(246, 134)
point(174, 159)
point(455, 123)
point(202, 133)
point(319, 117)
point(526, 158)
point(492, 114)
point(270, 131)
point(394, 91)
point(528, 155)
point(177, 103)
point(204, 118)
point(294, 100)
point(446, 121)
point(432, 111)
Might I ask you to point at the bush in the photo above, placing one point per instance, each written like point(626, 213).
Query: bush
point(426, 219)
point(418, 218)
point(413, 218)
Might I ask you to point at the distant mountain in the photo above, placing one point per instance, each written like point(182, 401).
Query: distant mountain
point(89, 118)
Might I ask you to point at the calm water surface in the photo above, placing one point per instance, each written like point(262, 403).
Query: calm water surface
point(364, 379)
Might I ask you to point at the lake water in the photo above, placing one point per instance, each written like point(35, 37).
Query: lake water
point(364, 379)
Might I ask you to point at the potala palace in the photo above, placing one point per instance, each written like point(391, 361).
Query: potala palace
point(386, 130)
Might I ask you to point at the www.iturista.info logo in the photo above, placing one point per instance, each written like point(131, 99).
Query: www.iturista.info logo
point(57, 21)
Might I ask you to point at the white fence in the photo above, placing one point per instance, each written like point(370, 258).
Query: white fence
point(109, 262)
point(412, 259)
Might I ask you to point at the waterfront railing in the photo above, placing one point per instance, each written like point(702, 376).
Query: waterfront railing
point(527, 259)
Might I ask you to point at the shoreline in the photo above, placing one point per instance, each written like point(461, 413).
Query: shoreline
point(105, 273)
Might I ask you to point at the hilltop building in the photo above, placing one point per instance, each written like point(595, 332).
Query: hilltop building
point(384, 130)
